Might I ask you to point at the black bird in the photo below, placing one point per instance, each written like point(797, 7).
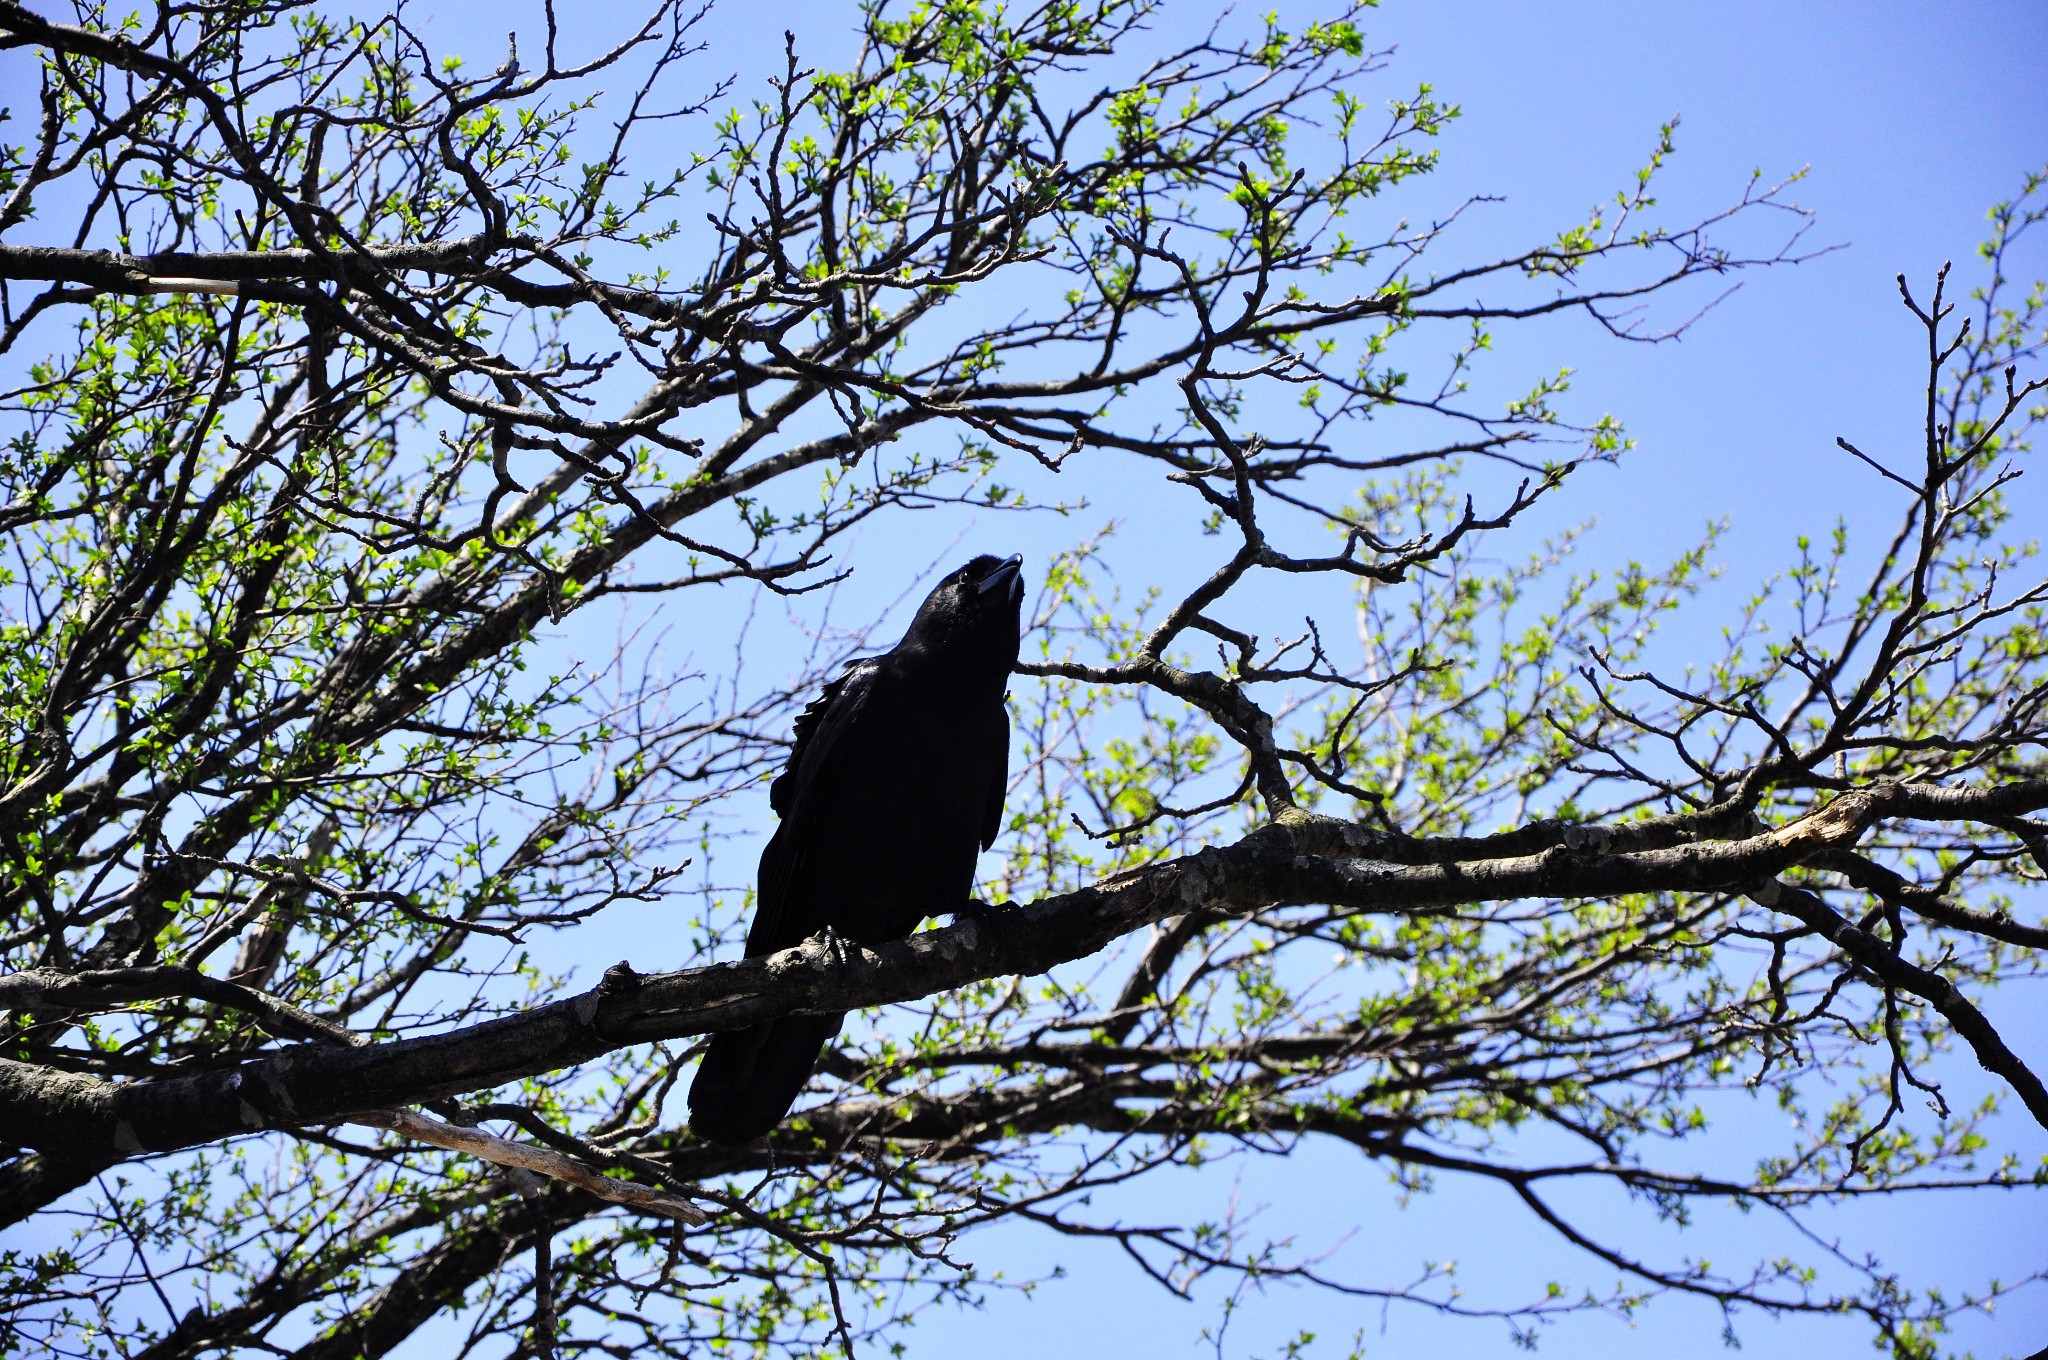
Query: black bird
point(895, 784)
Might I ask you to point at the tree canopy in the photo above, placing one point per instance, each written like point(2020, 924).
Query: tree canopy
point(346, 390)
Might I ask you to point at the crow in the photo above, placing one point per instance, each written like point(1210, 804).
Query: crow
point(895, 784)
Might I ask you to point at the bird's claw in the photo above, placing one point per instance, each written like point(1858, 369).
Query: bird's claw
point(837, 946)
point(974, 909)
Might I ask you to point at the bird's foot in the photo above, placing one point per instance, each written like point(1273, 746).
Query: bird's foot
point(974, 909)
point(837, 946)
point(985, 914)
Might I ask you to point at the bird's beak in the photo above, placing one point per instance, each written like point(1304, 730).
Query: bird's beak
point(1003, 577)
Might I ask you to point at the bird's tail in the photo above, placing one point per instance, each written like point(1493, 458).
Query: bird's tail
point(750, 1077)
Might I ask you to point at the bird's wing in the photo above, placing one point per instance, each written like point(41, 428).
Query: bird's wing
point(999, 777)
point(817, 729)
point(820, 730)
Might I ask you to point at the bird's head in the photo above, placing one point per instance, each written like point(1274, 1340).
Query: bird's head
point(974, 612)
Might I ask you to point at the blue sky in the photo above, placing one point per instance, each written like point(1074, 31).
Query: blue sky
point(1912, 118)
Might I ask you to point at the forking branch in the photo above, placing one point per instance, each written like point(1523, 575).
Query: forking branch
point(345, 383)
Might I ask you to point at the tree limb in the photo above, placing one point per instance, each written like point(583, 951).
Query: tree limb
point(505, 1152)
point(1301, 859)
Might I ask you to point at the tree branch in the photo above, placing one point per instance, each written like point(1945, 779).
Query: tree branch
point(505, 1152)
point(1300, 859)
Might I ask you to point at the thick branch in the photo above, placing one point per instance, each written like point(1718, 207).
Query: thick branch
point(172, 271)
point(39, 988)
point(1298, 860)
